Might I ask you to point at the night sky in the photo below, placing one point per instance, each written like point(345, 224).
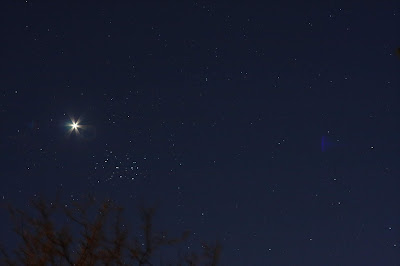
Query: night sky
point(271, 126)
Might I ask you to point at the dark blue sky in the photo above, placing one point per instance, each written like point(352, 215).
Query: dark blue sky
point(270, 126)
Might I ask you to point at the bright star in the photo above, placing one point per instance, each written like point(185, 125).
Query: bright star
point(74, 126)
point(79, 128)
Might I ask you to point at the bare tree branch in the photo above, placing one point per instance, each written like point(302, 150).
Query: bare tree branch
point(103, 239)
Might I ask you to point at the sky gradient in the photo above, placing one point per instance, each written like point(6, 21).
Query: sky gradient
point(272, 126)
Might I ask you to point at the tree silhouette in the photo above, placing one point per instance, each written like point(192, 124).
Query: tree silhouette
point(61, 235)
